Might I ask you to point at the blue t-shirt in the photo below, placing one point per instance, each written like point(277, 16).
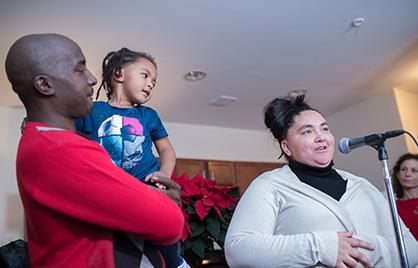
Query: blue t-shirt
point(127, 134)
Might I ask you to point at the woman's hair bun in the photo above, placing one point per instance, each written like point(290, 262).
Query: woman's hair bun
point(297, 96)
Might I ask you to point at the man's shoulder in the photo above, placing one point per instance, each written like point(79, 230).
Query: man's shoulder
point(41, 134)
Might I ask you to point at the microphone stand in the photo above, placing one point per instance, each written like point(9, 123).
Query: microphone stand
point(383, 156)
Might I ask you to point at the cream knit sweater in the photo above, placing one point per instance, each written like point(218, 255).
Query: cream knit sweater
point(282, 222)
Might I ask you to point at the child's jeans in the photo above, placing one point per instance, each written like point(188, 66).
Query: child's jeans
point(171, 256)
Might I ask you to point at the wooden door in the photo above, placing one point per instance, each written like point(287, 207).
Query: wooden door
point(263, 167)
point(222, 172)
point(191, 167)
point(246, 172)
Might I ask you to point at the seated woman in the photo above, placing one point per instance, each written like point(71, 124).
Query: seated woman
point(405, 184)
point(308, 214)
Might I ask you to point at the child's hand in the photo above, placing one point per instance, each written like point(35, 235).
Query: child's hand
point(171, 189)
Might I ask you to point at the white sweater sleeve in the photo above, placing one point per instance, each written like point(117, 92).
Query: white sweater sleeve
point(386, 252)
point(252, 242)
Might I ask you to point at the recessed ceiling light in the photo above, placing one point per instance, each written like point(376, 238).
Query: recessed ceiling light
point(222, 100)
point(195, 75)
point(357, 22)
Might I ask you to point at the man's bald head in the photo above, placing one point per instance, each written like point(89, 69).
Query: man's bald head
point(49, 73)
point(34, 55)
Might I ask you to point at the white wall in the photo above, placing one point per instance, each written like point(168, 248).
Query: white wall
point(11, 213)
point(407, 102)
point(217, 143)
point(373, 115)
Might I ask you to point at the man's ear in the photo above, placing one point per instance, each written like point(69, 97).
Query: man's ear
point(285, 147)
point(119, 75)
point(43, 85)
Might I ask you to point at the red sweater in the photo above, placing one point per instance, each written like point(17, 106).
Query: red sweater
point(408, 211)
point(74, 197)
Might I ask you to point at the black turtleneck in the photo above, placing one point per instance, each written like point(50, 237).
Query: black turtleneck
point(324, 179)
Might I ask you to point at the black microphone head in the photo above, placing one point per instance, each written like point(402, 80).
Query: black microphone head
point(393, 133)
point(344, 145)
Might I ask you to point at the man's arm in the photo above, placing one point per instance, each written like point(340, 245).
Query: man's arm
point(87, 185)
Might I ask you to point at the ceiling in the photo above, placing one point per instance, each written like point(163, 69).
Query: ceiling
point(253, 50)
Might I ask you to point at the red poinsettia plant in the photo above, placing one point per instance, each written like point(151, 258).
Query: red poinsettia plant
point(207, 209)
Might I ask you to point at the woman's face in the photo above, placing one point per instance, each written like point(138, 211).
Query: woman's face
point(309, 140)
point(408, 174)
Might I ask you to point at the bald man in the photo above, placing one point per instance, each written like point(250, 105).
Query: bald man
point(75, 199)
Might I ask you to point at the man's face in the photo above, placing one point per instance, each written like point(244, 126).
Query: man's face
point(72, 81)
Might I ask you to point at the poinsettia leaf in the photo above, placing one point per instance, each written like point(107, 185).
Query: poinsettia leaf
point(196, 228)
point(199, 180)
point(198, 247)
point(218, 211)
point(186, 200)
point(186, 231)
point(214, 227)
point(221, 238)
point(224, 203)
point(190, 210)
point(208, 202)
point(225, 224)
point(190, 189)
point(201, 209)
point(227, 215)
point(206, 192)
point(187, 244)
point(221, 201)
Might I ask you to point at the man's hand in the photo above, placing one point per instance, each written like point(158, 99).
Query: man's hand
point(156, 174)
point(166, 186)
point(348, 255)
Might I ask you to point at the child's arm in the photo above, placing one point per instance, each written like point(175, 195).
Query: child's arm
point(167, 157)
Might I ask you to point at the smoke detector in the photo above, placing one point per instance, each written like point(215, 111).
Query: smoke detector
point(357, 22)
point(222, 100)
point(195, 75)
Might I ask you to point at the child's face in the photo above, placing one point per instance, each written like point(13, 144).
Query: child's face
point(138, 80)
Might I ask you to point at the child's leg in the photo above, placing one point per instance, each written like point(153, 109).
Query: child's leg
point(171, 256)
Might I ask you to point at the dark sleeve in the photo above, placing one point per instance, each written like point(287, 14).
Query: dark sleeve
point(81, 181)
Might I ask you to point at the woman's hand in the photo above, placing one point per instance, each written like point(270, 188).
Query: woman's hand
point(348, 254)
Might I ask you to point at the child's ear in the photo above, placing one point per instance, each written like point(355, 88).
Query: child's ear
point(43, 85)
point(118, 75)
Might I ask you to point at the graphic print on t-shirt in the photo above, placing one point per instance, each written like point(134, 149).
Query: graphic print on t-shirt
point(122, 137)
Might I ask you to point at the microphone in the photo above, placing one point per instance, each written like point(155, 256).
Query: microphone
point(347, 144)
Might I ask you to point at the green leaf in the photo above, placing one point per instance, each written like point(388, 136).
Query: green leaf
point(221, 238)
point(190, 210)
point(186, 245)
point(213, 227)
point(197, 229)
point(198, 247)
